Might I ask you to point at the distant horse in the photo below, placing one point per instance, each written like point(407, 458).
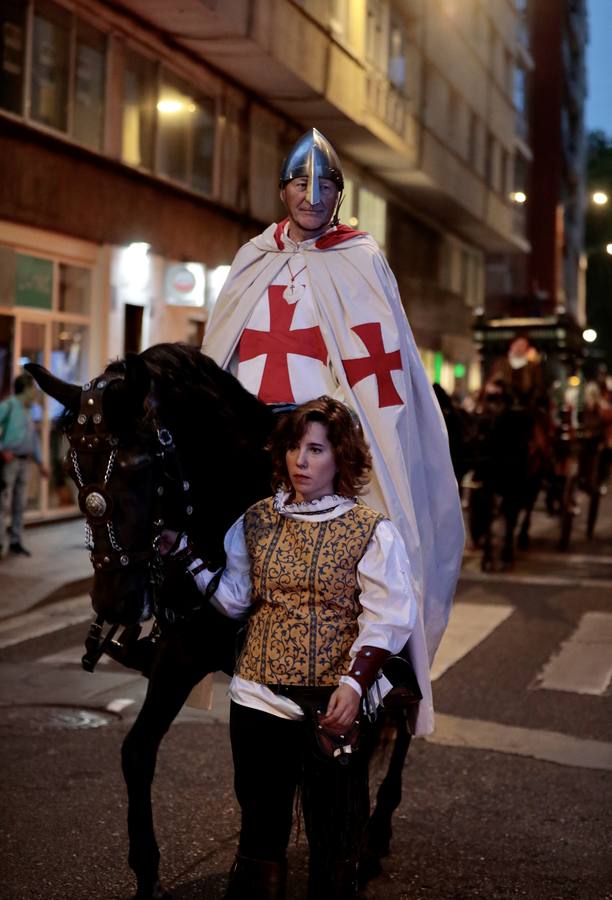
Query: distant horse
point(167, 439)
point(510, 461)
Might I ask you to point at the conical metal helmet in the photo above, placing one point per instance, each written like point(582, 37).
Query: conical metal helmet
point(313, 156)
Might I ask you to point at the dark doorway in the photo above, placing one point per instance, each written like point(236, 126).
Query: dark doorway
point(133, 328)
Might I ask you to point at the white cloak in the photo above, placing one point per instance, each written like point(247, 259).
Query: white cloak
point(413, 480)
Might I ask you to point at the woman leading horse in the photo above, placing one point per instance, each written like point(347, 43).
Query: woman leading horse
point(326, 580)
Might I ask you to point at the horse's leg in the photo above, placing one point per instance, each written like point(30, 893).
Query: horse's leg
point(510, 513)
point(532, 496)
point(488, 516)
point(378, 830)
point(173, 676)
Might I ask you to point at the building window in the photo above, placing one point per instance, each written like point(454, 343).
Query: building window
point(372, 215)
point(12, 55)
point(138, 111)
point(89, 83)
point(50, 65)
point(67, 86)
point(472, 147)
point(185, 134)
point(203, 145)
point(339, 18)
point(376, 29)
point(453, 116)
point(490, 160)
point(520, 101)
point(396, 65)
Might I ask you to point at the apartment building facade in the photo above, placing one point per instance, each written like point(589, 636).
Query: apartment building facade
point(141, 143)
point(543, 291)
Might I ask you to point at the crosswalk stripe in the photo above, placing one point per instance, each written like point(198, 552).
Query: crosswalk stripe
point(583, 664)
point(551, 746)
point(472, 572)
point(469, 624)
point(45, 620)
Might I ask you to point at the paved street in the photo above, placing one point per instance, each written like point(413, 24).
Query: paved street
point(509, 798)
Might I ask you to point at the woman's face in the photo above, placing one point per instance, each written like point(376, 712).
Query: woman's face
point(311, 464)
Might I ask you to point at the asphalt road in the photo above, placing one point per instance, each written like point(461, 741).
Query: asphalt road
point(510, 798)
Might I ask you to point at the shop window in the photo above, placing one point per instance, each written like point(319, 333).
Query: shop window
point(33, 282)
point(7, 343)
point(50, 65)
point(12, 54)
point(74, 289)
point(8, 266)
point(69, 352)
point(138, 118)
point(89, 79)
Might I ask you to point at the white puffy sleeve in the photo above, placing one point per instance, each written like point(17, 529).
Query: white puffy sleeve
point(387, 598)
point(233, 594)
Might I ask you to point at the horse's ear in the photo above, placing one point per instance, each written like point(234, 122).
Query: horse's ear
point(137, 379)
point(65, 393)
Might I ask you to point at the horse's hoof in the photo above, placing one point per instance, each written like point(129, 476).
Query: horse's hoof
point(152, 891)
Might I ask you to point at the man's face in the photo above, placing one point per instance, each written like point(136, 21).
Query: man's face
point(309, 220)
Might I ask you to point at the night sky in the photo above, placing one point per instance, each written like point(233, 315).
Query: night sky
point(599, 66)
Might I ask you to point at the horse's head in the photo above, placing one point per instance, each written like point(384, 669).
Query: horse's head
point(129, 481)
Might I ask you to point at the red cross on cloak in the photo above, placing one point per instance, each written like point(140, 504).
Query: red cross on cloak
point(277, 344)
point(379, 363)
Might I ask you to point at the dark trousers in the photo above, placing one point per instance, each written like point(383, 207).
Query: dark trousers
point(272, 757)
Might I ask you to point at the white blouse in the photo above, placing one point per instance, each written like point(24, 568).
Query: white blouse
point(387, 597)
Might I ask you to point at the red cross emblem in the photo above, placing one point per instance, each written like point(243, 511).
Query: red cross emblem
point(379, 363)
point(277, 344)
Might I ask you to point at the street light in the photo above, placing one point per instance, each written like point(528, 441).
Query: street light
point(599, 198)
point(609, 249)
point(589, 335)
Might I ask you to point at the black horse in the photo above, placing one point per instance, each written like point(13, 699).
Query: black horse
point(167, 439)
point(510, 459)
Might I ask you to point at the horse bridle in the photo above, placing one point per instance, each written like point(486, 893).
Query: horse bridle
point(90, 434)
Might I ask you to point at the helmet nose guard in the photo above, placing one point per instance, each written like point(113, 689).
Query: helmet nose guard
point(314, 157)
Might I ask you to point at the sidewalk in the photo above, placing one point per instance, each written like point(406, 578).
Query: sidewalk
point(58, 569)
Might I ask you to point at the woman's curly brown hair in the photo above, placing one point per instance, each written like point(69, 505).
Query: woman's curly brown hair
point(344, 432)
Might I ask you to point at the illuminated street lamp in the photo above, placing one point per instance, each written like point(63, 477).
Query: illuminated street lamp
point(599, 198)
point(589, 335)
point(519, 197)
point(609, 249)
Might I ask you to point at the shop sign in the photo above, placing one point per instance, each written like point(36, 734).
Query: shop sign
point(33, 282)
point(185, 284)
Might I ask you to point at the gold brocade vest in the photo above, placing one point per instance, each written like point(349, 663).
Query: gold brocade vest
point(305, 594)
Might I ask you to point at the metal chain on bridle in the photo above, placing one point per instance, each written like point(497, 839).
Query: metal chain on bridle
point(90, 435)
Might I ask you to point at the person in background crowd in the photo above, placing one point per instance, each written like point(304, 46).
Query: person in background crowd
point(19, 445)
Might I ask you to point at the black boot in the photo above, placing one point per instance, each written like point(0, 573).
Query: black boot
point(256, 879)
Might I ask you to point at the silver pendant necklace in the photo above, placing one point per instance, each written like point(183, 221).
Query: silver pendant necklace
point(294, 292)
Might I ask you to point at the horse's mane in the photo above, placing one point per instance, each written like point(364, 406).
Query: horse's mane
point(220, 431)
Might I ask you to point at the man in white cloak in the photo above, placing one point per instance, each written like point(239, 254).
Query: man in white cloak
point(311, 307)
